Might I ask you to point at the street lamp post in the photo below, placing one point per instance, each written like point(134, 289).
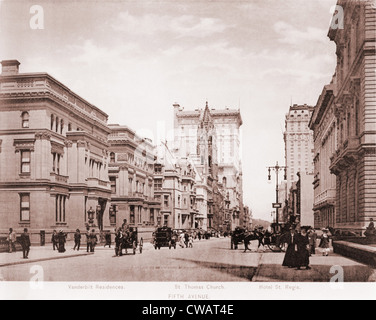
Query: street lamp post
point(277, 168)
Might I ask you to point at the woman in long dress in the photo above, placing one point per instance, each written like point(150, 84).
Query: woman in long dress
point(291, 253)
point(303, 250)
point(325, 243)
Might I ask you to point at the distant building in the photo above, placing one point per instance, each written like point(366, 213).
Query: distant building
point(298, 142)
point(211, 139)
point(305, 199)
point(53, 156)
point(175, 187)
point(131, 174)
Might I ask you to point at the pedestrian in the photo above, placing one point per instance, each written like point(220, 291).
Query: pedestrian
point(186, 239)
point(54, 240)
point(312, 237)
point(108, 239)
point(292, 248)
point(77, 240)
point(325, 242)
point(181, 239)
point(199, 235)
point(303, 250)
point(93, 241)
point(25, 243)
point(87, 234)
point(62, 238)
point(190, 243)
point(118, 243)
point(12, 238)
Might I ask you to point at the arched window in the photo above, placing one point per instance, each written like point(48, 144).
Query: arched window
point(25, 120)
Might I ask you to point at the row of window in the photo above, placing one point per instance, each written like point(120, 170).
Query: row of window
point(139, 215)
point(60, 208)
point(57, 125)
point(140, 187)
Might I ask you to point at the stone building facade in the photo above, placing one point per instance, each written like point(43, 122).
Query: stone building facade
point(131, 175)
point(175, 187)
point(53, 156)
point(324, 125)
point(354, 160)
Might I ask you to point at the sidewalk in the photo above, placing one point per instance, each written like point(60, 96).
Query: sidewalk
point(323, 269)
point(38, 254)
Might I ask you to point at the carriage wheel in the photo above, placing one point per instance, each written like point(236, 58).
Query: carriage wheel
point(141, 245)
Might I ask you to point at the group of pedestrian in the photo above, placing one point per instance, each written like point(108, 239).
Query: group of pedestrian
point(24, 241)
point(186, 240)
point(302, 245)
point(58, 240)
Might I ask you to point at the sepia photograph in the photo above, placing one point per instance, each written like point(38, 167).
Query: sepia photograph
point(187, 150)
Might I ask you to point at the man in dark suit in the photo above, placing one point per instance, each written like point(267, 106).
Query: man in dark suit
point(25, 243)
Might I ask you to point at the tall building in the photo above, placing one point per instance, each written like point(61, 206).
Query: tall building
point(298, 142)
point(324, 125)
point(354, 159)
point(212, 140)
point(131, 174)
point(53, 156)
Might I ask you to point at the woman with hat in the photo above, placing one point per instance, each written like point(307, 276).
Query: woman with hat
point(62, 239)
point(325, 242)
point(292, 249)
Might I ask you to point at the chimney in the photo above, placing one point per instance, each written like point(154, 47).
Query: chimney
point(10, 67)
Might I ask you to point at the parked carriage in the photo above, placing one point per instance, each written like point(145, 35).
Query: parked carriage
point(165, 237)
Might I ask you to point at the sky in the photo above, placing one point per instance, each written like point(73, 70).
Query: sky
point(135, 58)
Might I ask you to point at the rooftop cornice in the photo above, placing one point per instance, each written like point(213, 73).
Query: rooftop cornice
point(29, 76)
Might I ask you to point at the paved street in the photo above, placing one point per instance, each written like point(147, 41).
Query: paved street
point(208, 261)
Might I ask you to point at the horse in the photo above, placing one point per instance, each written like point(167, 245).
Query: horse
point(241, 235)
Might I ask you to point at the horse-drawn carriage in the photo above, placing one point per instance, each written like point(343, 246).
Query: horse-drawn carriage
point(129, 239)
point(165, 237)
point(273, 239)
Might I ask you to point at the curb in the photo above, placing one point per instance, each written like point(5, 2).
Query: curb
point(44, 259)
